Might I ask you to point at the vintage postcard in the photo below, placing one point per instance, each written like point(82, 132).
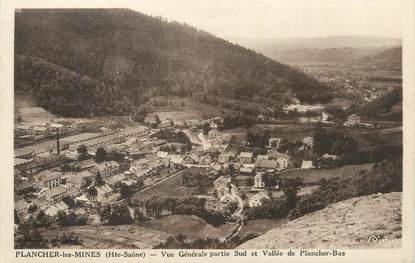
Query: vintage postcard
point(206, 131)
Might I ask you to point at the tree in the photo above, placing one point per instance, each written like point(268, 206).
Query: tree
point(32, 208)
point(16, 218)
point(30, 239)
point(344, 145)
point(250, 181)
point(100, 154)
point(85, 184)
point(139, 216)
point(98, 179)
point(290, 193)
point(91, 192)
point(206, 128)
point(269, 180)
point(157, 119)
point(322, 142)
point(70, 201)
point(258, 137)
point(125, 190)
point(232, 207)
point(40, 220)
point(70, 219)
point(83, 152)
point(116, 214)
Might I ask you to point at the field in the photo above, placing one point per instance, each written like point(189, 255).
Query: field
point(27, 107)
point(174, 115)
point(313, 176)
point(171, 187)
point(364, 137)
point(370, 138)
point(339, 102)
point(179, 109)
point(111, 237)
point(291, 132)
point(192, 227)
point(260, 226)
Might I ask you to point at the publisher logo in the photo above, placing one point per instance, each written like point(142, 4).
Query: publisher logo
point(379, 239)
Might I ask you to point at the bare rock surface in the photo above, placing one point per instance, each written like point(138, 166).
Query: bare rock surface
point(372, 221)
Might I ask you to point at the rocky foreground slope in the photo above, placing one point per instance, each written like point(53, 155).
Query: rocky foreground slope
point(361, 222)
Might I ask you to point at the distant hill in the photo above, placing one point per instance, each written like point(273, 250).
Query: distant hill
point(336, 49)
point(381, 58)
point(319, 43)
point(344, 225)
point(128, 57)
point(387, 59)
point(343, 55)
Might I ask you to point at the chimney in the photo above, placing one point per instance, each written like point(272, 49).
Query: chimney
point(58, 150)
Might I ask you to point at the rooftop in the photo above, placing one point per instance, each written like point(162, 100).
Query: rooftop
point(246, 154)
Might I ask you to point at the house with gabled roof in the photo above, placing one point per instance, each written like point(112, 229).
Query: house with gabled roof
point(282, 159)
point(245, 157)
point(54, 195)
point(108, 168)
point(52, 180)
point(226, 157)
point(105, 194)
point(307, 164)
point(205, 160)
point(21, 207)
point(54, 209)
point(258, 181)
point(162, 154)
point(258, 199)
point(353, 120)
point(114, 179)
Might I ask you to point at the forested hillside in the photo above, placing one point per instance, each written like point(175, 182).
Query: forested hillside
point(124, 56)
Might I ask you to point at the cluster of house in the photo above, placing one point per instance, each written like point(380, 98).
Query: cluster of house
point(48, 188)
point(354, 120)
point(43, 129)
point(44, 184)
point(95, 140)
point(39, 175)
point(300, 108)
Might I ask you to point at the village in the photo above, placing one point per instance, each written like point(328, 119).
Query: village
point(70, 172)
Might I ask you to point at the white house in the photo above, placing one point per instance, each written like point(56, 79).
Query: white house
point(245, 157)
point(307, 164)
point(53, 210)
point(108, 168)
point(308, 142)
point(21, 207)
point(352, 120)
point(262, 157)
point(214, 134)
point(258, 182)
point(226, 157)
point(258, 199)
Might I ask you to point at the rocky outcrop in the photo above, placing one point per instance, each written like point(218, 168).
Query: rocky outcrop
point(361, 222)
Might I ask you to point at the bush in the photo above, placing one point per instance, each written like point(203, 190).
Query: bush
point(115, 214)
point(70, 219)
point(384, 178)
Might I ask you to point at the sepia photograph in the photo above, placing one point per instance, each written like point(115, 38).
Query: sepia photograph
point(251, 125)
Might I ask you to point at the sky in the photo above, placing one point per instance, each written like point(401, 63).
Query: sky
point(282, 18)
